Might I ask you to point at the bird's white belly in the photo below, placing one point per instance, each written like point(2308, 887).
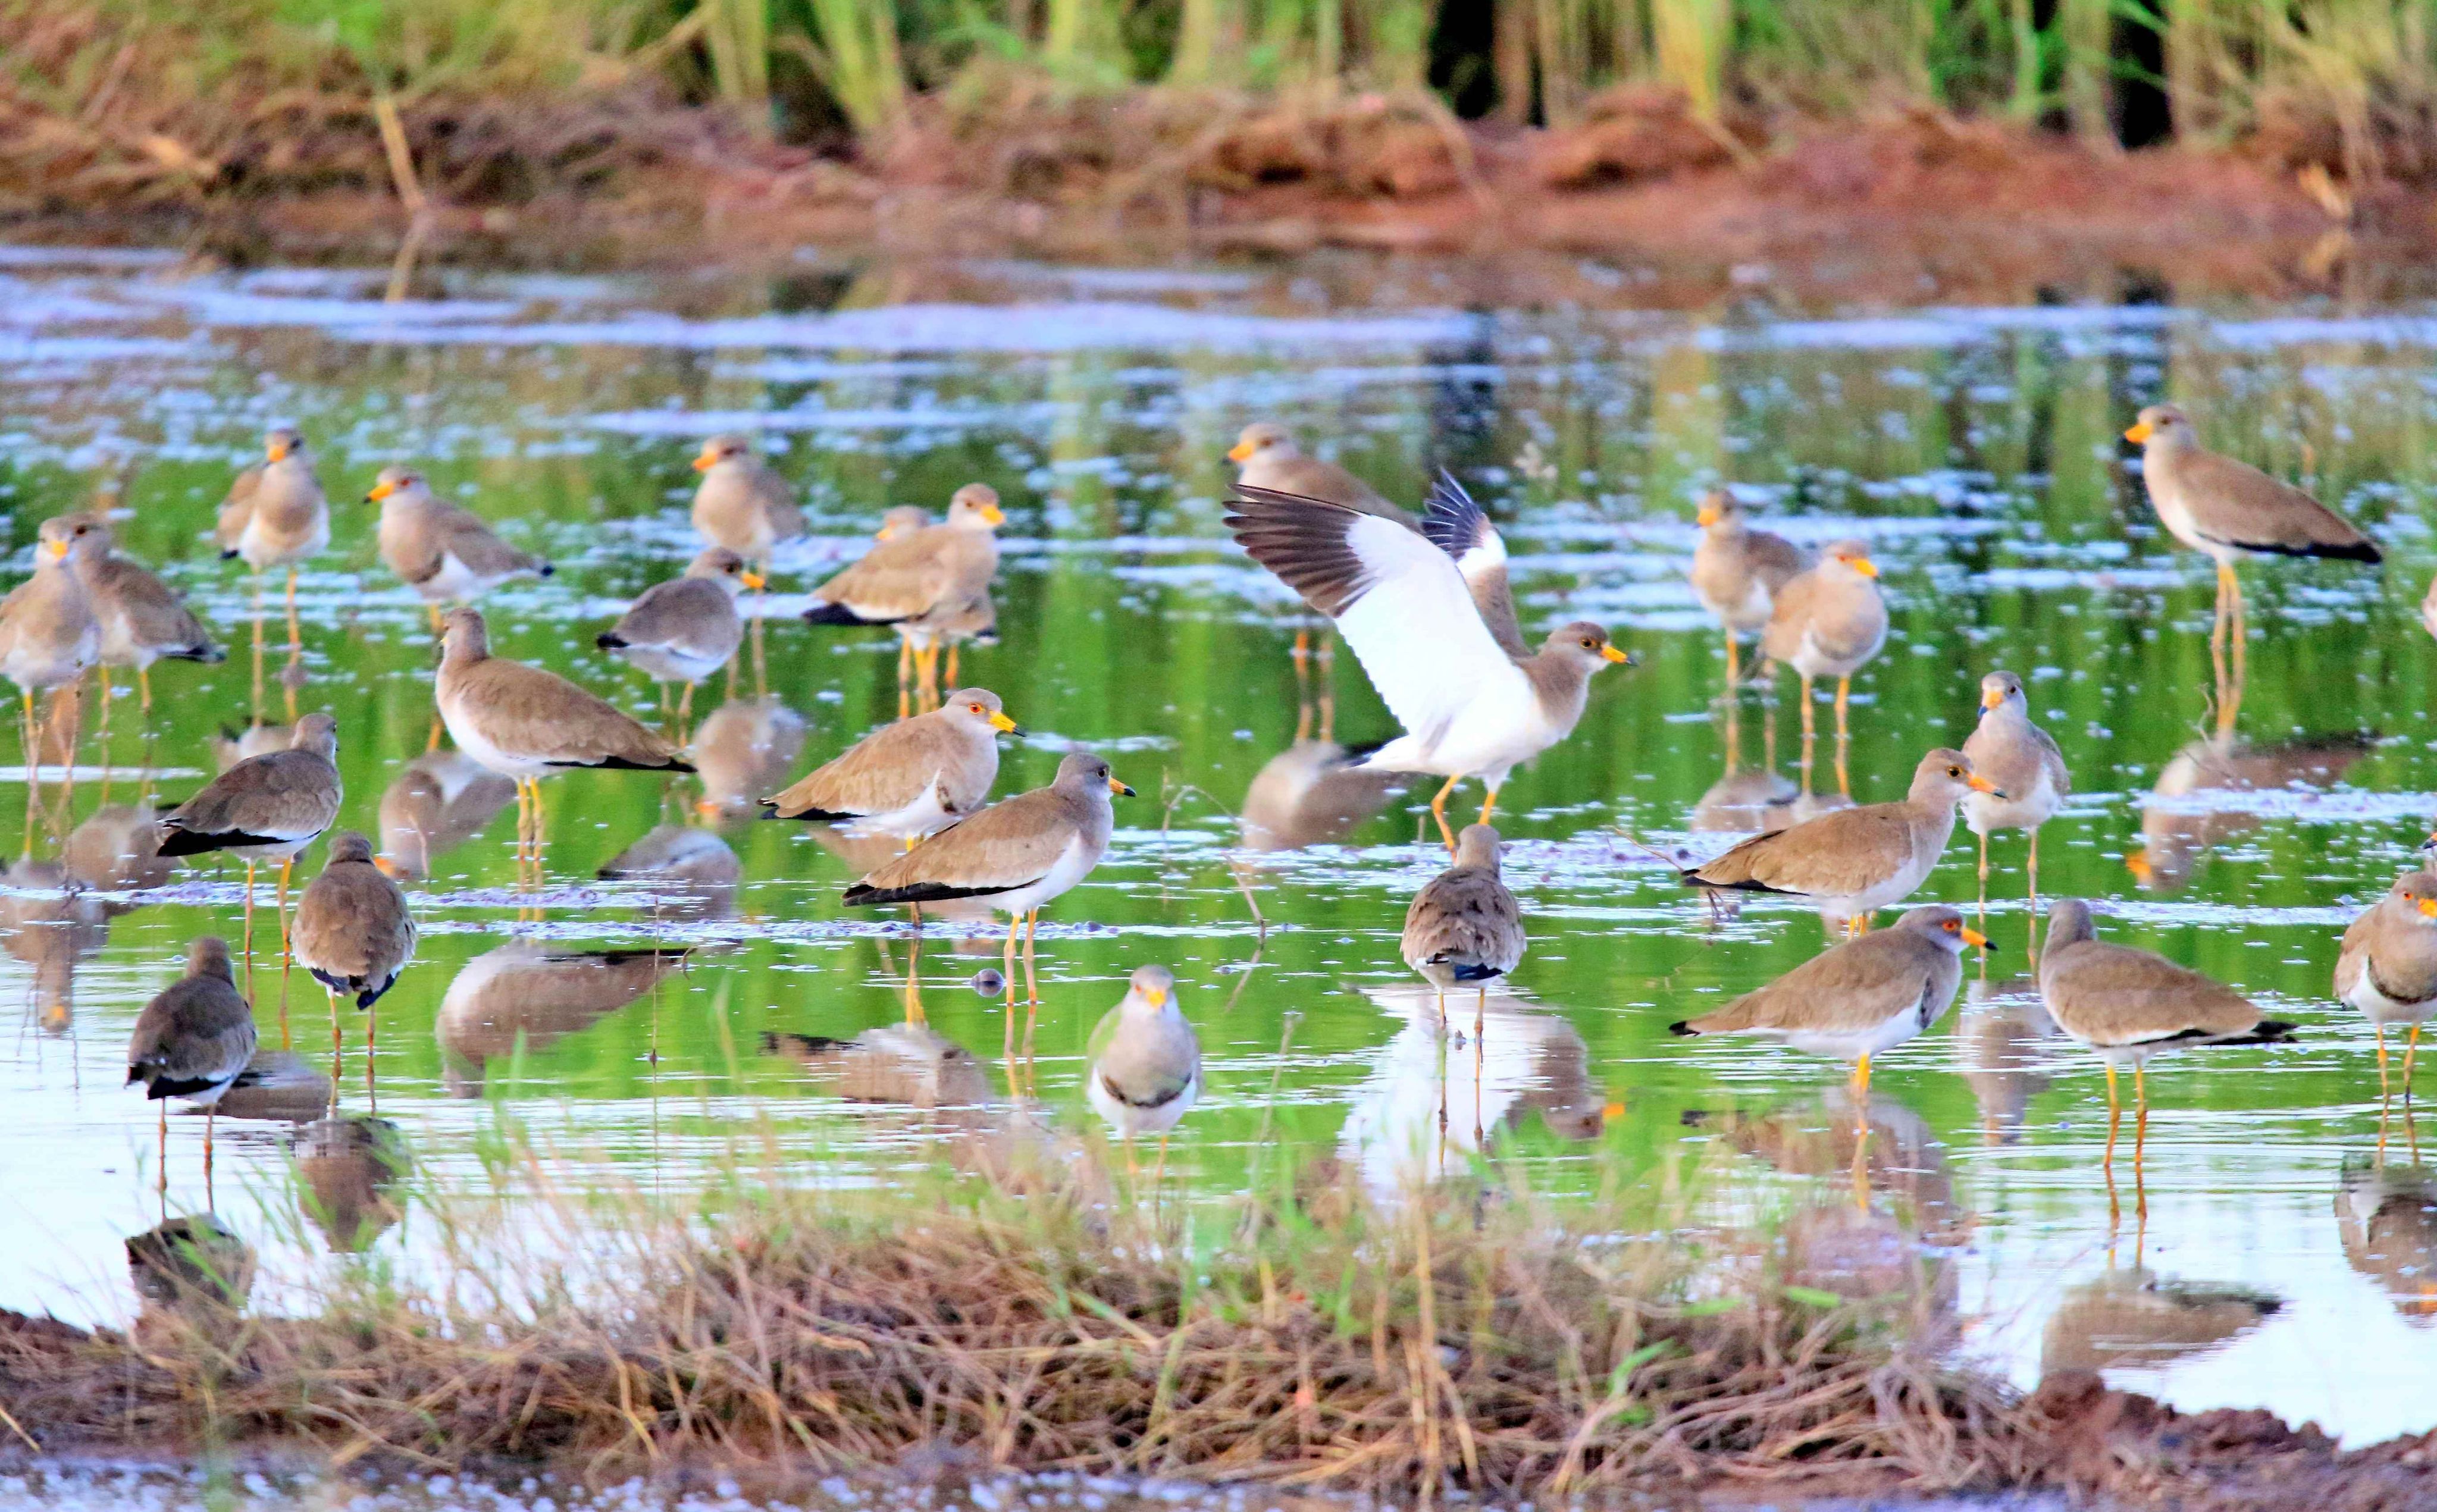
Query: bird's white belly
point(470, 740)
point(1493, 736)
point(1067, 870)
point(260, 551)
point(454, 581)
point(923, 816)
point(2380, 1009)
point(2177, 517)
point(1894, 890)
point(1854, 1044)
point(1133, 1122)
point(1982, 813)
point(668, 665)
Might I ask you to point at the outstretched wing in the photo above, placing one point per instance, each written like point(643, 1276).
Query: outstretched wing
point(1397, 600)
point(1461, 527)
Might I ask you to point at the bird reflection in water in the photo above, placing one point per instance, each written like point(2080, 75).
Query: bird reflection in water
point(2386, 1216)
point(1877, 1143)
point(347, 1167)
point(53, 923)
point(2178, 828)
point(679, 872)
point(189, 1272)
point(1434, 1100)
point(439, 802)
point(1897, 1247)
point(526, 994)
point(742, 750)
point(2130, 1318)
point(1746, 800)
point(2002, 1046)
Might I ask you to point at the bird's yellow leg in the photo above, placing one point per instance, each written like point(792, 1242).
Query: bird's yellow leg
point(953, 648)
point(2114, 1115)
point(2140, 1141)
point(1984, 881)
point(1006, 972)
point(685, 713)
point(295, 634)
point(2410, 1047)
point(2381, 1031)
point(144, 690)
point(1734, 660)
point(338, 1045)
point(432, 612)
point(1810, 732)
point(1488, 806)
point(1438, 811)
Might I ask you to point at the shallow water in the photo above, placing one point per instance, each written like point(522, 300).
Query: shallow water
point(2286, 1261)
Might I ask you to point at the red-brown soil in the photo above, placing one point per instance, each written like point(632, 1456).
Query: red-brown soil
point(1905, 208)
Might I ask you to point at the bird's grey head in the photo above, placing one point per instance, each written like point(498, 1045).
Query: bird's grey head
point(2161, 422)
point(69, 536)
point(1850, 559)
point(347, 845)
point(2069, 922)
point(1944, 775)
point(1720, 510)
point(1584, 644)
point(208, 956)
point(721, 448)
point(725, 568)
point(397, 481)
point(463, 636)
point(1476, 845)
point(1153, 987)
point(319, 734)
point(1264, 438)
point(1941, 925)
point(282, 443)
point(1086, 772)
point(2418, 891)
point(1999, 689)
point(974, 507)
point(979, 705)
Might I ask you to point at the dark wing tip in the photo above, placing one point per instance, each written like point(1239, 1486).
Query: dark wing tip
point(228, 553)
point(1475, 971)
point(546, 570)
point(1682, 1027)
point(1451, 519)
point(836, 613)
point(609, 641)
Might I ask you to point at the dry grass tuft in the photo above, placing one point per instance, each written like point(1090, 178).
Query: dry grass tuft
point(1484, 1339)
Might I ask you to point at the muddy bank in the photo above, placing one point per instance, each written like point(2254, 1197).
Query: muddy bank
point(1642, 205)
point(2074, 1439)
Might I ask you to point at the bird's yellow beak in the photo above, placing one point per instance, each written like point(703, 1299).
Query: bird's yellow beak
point(705, 461)
point(995, 515)
point(59, 549)
point(1120, 789)
point(2140, 867)
point(1980, 784)
point(1991, 699)
point(1710, 515)
point(1156, 997)
point(705, 807)
point(2428, 907)
point(1973, 936)
point(2141, 431)
point(1240, 452)
point(1610, 654)
point(387, 867)
point(1862, 566)
point(277, 451)
point(998, 721)
point(380, 492)
point(753, 579)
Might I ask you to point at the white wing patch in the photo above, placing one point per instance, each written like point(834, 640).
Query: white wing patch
point(1416, 633)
